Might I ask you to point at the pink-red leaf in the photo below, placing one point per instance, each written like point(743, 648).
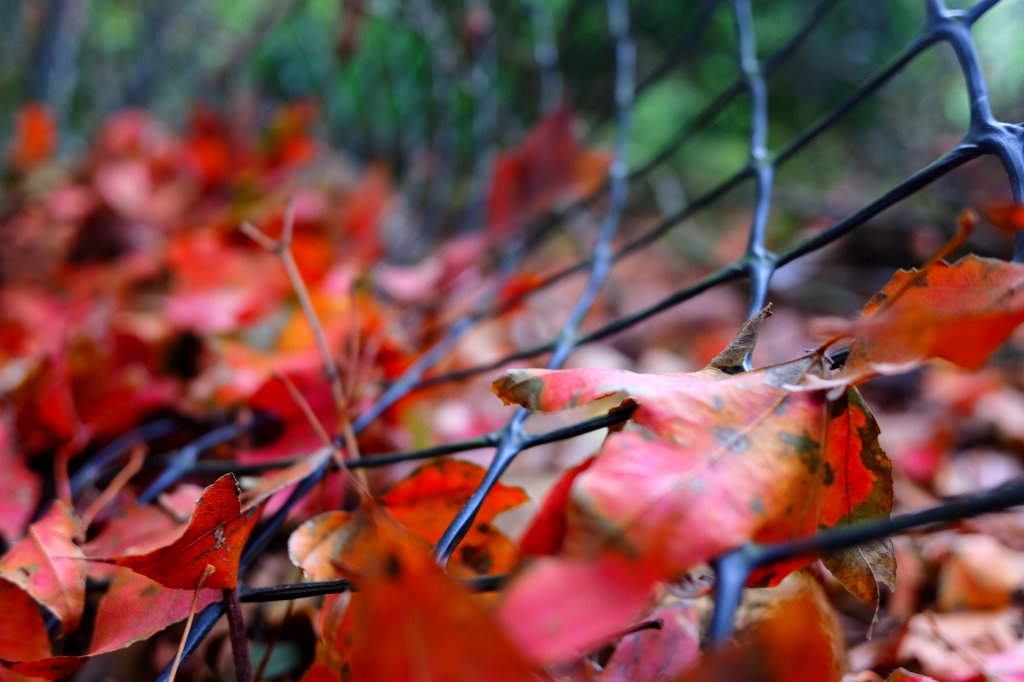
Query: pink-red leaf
point(661, 654)
point(49, 566)
point(720, 461)
point(561, 609)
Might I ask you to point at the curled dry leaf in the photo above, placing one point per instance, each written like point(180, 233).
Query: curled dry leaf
point(216, 535)
point(49, 566)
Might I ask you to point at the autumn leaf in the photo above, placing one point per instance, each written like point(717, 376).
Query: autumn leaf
point(426, 501)
point(35, 137)
point(23, 635)
point(325, 547)
point(960, 312)
point(409, 621)
point(658, 654)
point(596, 600)
point(49, 566)
point(19, 487)
point(795, 637)
point(135, 608)
point(720, 460)
point(548, 164)
point(216, 535)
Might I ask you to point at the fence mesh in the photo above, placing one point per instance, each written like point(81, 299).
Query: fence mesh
point(461, 111)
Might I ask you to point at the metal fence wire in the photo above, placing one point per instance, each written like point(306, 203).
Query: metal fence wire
point(552, 64)
point(985, 136)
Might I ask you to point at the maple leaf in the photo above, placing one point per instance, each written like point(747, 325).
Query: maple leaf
point(721, 459)
point(216, 536)
point(960, 312)
point(49, 566)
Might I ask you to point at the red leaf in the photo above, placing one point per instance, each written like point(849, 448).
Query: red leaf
point(560, 609)
point(546, 533)
point(215, 536)
point(49, 566)
point(718, 463)
point(19, 487)
point(135, 608)
point(23, 634)
point(547, 165)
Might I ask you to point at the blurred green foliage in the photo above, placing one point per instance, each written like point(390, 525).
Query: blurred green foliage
point(393, 78)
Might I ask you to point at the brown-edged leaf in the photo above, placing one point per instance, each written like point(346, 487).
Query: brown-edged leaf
point(721, 460)
point(960, 312)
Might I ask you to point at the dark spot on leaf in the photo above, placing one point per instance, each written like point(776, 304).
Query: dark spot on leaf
point(830, 475)
point(392, 567)
point(732, 439)
point(476, 558)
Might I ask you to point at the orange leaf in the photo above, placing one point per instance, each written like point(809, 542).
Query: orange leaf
point(427, 500)
point(35, 137)
point(328, 545)
point(409, 621)
point(216, 535)
point(961, 313)
point(796, 638)
point(49, 566)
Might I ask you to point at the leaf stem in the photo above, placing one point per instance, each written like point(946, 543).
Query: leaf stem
point(239, 642)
